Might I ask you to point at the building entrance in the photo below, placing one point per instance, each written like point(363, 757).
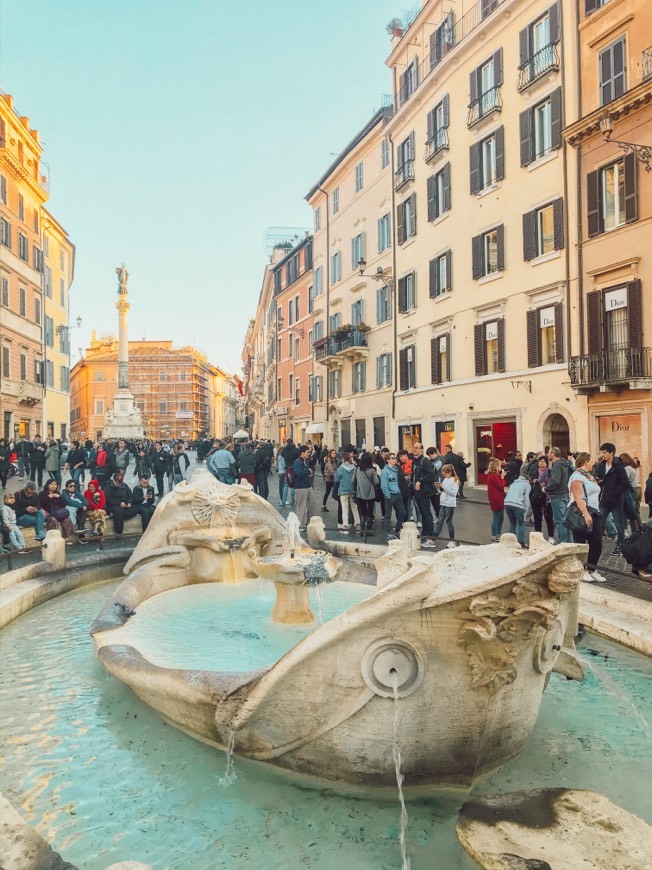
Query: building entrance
point(492, 439)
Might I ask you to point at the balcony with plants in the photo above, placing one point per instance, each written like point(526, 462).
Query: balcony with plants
point(347, 341)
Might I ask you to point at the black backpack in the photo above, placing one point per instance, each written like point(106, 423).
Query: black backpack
point(637, 547)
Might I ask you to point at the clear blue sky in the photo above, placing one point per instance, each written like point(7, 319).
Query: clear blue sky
point(178, 132)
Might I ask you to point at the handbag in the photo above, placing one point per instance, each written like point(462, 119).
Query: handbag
point(335, 492)
point(574, 520)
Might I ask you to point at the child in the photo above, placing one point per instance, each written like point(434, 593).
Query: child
point(9, 521)
point(448, 488)
point(96, 503)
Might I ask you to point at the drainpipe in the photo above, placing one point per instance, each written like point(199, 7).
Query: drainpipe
point(578, 194)
point(567, 294)
point(394, 285)
point(328, 293)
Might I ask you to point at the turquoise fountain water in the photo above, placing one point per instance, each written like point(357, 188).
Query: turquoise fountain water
point(104, 779)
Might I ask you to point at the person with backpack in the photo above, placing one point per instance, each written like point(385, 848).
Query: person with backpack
point(344, 478)
point(179, 459)
point(102, 466)
point(366, 484)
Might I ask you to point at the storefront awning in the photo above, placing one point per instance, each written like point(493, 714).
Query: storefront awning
point(315, 427)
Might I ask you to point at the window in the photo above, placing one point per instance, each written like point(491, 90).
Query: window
point(540, 128)
point(290, 345)
point(4, 282)
point(311, 388)
point(484, 86)
point(21, 207)
point(359, 377)
point(49, 331)
point(383, 371)
point(336, 200)
point(357, 250)
point(36, 221)
point(23, 247)
point(49, 373)
point(5, 233)
point(384, 153)
point(357, 310)
point(37, 310)
point(407, 297)
point(317, 216)
point(317, 388)
point(384, 233)
point(487, 161)
point(23, 365)
point(48, 282)
point(537, 50)
point(6, 361)
point(279, 391)
point(291, 382)
point(545, 336)
point(489, 345)
point(22, 304)
point(407, 368)
point(543, 230)
point(38, 371)
point(383, 304)
point(65, 378)
point(37, 255)
point(439, 192)
point(488, 252)
point(442, 39)
point(3, 190)
point(279, 348)
point(99, 407)
point(318, 330)
point(336, 267)
point(591, 5)
point(296, 308)
point(404, 161)
point(163, 407)
point(359, 181)
point(46, 246)
point(409, 81)
point(297, 393)
point(290, 312)
point(438, 121)
point(297, 349)
point(406, 219)
point(334, 321)
point(62, 292)
point(612, 197)
point(317, 285)
point(440, 274)
point(335, 384)
point(99, 376)
point(440, 359)
point(613, 72)
point(64, 346)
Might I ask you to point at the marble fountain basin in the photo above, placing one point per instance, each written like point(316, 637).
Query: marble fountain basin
point(461, 641)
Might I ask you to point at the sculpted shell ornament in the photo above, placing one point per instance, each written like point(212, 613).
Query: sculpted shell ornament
point(211, 497)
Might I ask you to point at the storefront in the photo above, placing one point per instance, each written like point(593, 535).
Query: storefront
point(493, 439)
point(282, 424)
point(408, 436)
point(625, 431)
point(315, 432)
point(444, 435)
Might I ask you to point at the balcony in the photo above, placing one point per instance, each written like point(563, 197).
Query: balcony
point(646, 63)
point(348, 345)
point(25, 392)
point(541, 62)
point(439, 142)
point(487, 103)
point(625, 367)
point(404, 174)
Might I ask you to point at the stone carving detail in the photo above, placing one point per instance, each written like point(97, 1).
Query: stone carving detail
point(213, 497)
point(123, 375)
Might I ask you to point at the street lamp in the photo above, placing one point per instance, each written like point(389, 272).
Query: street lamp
point(378, 275)
point(643, 153)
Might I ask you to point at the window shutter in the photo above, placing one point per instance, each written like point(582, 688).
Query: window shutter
point(400, 158)
point(435, 376)
point(606, 80)
point(553, 23)
point(619, 72)
point(529, 236)
point(473, 85)
point(634, 314)
point(446, 110)
point(533, 356)
point(433, 49)
point(447, 188)
point(363, 376)
point(524, 46)
point(432, 198)
point(402, 87)
point(474, 167)
point(400, 224)
point(479, 349)
point(594, 321)
point(378, 313)
point(501, 344)
point(525, 120)
point(555, 119)
point(379, 369)
point(411, 145)
point(432, 278)
point(631, 198)
point(353, 260)
point(448, 356)
point(378, 224)
point(476, 256)
point(559, 333)
point(593, 203)
point(431, 125)
point(500, 242)
point(413, 214)
point(500, 153)
point(402, 294)
point(558, 224)
point(498, 68)
point(449, 270)
point(403, 369)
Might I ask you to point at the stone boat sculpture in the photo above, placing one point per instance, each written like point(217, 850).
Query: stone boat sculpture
point(462, 641)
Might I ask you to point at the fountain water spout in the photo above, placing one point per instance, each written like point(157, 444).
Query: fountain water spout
point(294, 533)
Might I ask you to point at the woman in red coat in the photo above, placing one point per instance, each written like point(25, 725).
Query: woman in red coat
point(96, 507)
point(496, 493)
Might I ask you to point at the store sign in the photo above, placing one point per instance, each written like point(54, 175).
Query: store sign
point(547, 316)
point(615, 299)
point(183, 415)
point(281, 410)
point(492, 331)
point(625, 431)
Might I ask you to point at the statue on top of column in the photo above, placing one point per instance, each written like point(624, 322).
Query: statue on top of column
point(123, 277)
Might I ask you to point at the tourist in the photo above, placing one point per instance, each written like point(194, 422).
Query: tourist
point(53, 460)
point(179, 463)
point(246, 464)
point(344, 478)
point(404, 463)
point(9, 522)
point(513, 467)
point(496, 494)
point(24, 450)
point(424, 477)
point(38, 460)
point(391, 489)
point(462, 473)
point(629, 504)
point(76, 460)
point(262, 467)
point(96, 501)
point(119, 501)
point(160, 462)
point(102, 467)
point(5, 461)
point(328, 471)
point(585, 492)
point(539, 498)
point(448, 487)
point(611, 475)
point(433, 454)
point(57, 515)
point(367, 482)
point(557, 490)
point(28, 510)
point(120, 458)
point(282, 482)
point(76, 504)
point(305, 494)
point(143, 465)
point(516, 502)
point(144, 499)
point(648, 495)
point(221, 464)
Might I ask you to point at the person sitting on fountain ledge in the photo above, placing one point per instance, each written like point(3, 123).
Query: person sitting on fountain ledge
point(120, 502)
point(145, 498)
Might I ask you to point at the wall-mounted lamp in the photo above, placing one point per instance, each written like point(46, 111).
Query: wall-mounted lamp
point(643, 153)
point(378, 275)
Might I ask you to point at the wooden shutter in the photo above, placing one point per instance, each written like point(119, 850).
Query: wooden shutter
point(500, 240)
point(479, 349)
point(432, 278)
point(448, 355)
point(529, 236)
point(432, 197)
point(606, 79)
point(402, 294)
point(500, 153)
point(525, 121)
point(433, 49)
point(354, 263)
point(553, 23)
point(400, 223)
point(378, 304)
point(532, 323)
point(413, 214)
point(630, 165)
point(501, 344)
point(524, 46)
point(431, 125)
point(446, 205)
point(555, 119)
point(474, 167)
point(559, 333)
point(619, 72)
point(593, 203)
point(473, 85)
point(634, 314)
point(379, 370)
point(594, 321)
point(435, 376)
point(402, 87)
point(498, 68)
point(446, 110)
point(400, 158)
point(558, 224)
point(449, 269)
point(411, 146)
point(476, 257)
point(403, 369)
point(363, 376)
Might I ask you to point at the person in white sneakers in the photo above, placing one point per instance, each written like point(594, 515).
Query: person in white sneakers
point(448, 487)
point(585, 492)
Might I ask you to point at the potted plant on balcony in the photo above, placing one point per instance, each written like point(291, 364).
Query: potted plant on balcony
point(321, 342)
point(362, 327)
point(341, 332)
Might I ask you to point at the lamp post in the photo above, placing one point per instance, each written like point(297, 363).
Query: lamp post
point(379, 275)
point(643, 153)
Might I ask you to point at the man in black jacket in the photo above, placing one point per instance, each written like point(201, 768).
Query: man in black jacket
point(611, 475)
point(144, 499)
point(119, 500)
point(423, 475)
point(262, 467)
point(38, 460)
point(160, 462)
point(24, 450)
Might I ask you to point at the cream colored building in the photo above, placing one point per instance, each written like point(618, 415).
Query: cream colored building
point(353, 329)
point(481, 257)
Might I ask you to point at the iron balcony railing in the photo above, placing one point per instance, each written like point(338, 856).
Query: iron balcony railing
point(547, 58)
point(610, 366)
point(488, 102)
point(332, 346)
point(646, 58)
point(403, 174)
point(438, 143)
